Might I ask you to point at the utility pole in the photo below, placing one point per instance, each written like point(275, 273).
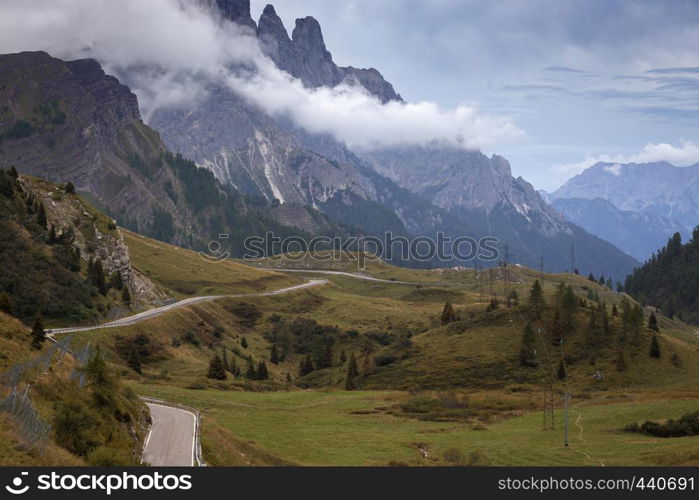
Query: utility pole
point(566, 401)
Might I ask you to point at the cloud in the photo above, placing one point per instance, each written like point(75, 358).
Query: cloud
point(682, 155)
point(563, 69)
point(673, 70)
point(171, 52)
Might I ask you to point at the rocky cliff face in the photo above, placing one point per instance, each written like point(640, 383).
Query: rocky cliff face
point(454, 179)
point(95, 235)
point(81, 126)
point(305, 56)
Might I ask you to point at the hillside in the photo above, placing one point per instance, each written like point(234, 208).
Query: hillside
point(394, 333)
point(100, 423)
point(668, 280)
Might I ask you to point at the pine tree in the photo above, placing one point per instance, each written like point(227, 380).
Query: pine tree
point(250, 371)
point(513, 299)
point(556, 329)
point(38, 334)
point(261, 373)
point(591, 277)
point(352, 373)
point(244, 343)
point(224, 358)
point(448, 314)
point(233, 367)
point(52, 235)
point(493, 305)
point(100, 282)
point(134, 360)
point(615, 311)
point(654, 347)
point(326, 361)
point(527, 353)
point(653, 322)
point(620, 360)
point(6, 304)
point(536, 299)
point(116, 281)
point(306, 366)
point(41, 215)
point(126, 295)
point(274, 355)
point(13, 172)
point(216, 370)
point(70, 188)
point(561, 374)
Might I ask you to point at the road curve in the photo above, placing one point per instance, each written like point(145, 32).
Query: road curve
point(171, 441)
point(151, 313)
point(349, 275)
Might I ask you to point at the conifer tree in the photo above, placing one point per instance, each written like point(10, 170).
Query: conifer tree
point(653, 322)
point(216, 370)
point(224, 358)
point(562, 375)
point(448, 314)
point(591, 277)
point(52, 235)
point(38, 334)
point(6, 304)
point(620, 360)
point(116, 281)
point(306, 366)
point(126, 295)
point(100, 282)
point(274, 355)
point(527, 352)
point(615, 311)
point(556, 328)
point(250, 371)
point(134, 360)
point(13, 172)
point(326, 361)
point(244, 343)
point(70, 188)
point(536, 299)
point(261, 373)
point(352, 373)
point(654, 347)
point(41, 215)
point(493, 305)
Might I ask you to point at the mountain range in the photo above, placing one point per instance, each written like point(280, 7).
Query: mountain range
point(637, 207)
point(69, 121)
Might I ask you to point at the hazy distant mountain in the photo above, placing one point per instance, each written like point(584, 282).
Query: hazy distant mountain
point(637, 233)
point(649, 201)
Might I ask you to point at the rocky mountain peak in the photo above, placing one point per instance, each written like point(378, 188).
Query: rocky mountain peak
point(309, 37)
point(271, 24)
point(237, 11)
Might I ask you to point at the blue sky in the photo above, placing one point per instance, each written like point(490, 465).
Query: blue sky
point(586, 80)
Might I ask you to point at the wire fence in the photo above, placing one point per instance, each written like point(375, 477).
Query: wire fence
point(33, 430)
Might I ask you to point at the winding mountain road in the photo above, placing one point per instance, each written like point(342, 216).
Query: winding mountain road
point(349, 275)
point(152, 313)
point(172, 439)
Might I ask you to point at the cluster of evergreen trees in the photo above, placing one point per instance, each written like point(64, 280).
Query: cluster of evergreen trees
point(39, 269)
point(670, 279)
point(560, 320)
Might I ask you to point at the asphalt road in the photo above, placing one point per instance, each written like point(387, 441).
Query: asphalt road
point(151, 313)
point(171, 440)
point(349, 275)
